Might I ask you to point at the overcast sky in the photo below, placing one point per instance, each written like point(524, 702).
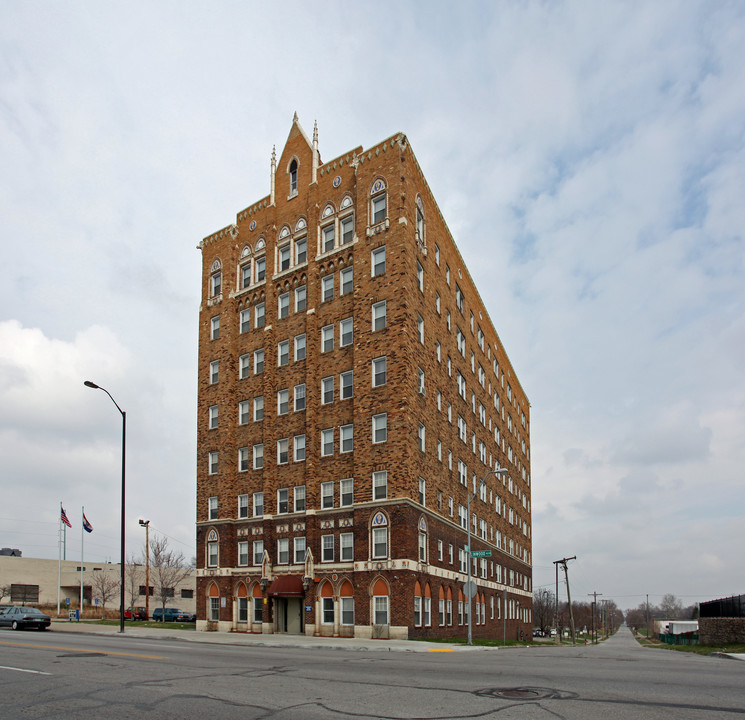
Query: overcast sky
point(589, 159)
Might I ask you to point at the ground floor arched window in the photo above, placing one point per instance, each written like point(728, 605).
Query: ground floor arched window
point(381, 605)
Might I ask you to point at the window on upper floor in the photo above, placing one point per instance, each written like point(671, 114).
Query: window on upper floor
point(327, 288)
point(379, 315)
point(283, 258)
point(243, 459)
point(346, 281)
point(212, 463)
point(299, 347)
point(379, 371)
point(377, 261)
point(283, 305)
point(215, 327)
point(258, 361)
point(301, 251)
point(328, 238)
point(346, 227)
point(214, 371)
point(244, 320)
point(293, 178)
point(379, 428)
point(300, 298)
point(419, 276)
point(260, 269)
point(346, 332)
point(378, 203)
point(380, 485)
point(346, 385)
point(283, 353)
point(213, 417)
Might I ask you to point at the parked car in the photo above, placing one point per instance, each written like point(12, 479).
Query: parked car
point(20, 618)
point(172, 615)
point(135, 613)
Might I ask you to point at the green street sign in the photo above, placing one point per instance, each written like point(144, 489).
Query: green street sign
point(481, 553)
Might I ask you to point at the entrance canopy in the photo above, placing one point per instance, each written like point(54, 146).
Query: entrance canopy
point(287, 586)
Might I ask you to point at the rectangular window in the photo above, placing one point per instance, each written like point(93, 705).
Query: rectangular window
point(328, 234)
point(283, 451)
point(327, 442)
point(212, 463)
point(347, 229)
point(380, 485)
point(283, 305)
point(346, 385)
point(378, 261)
point(379, 319)
point(380, 542)
point(244, 412)
point(327, 288)
point(259, 315)
point(283, 402)
point(215, 327)
point(243, 552)
point(258, 500)
point(420, 328)
point(258, 408)
point(419, 276)
point(346, 281)
point(298, 446)
point(245, 275)
point(258, 606)
point(379, 371)
point(300, 397)
point(378, 209)
point(299, 548)
point(216, 284)
point(380, 428)
point(417, 611)
point(212, 554)
point(327, 390)
point(244, 366)
point(243, 460)
point(438, 303)
point(327, 495)
point(346, 438)
point(214, 371)
point(420, 376)
point(213, 417)
point(213, 508)
point(346, 492)
point(327, 338)
point(301, 298)
point(299, 498)
point(346, 547)
point(346, 332)
point(299, 347)
point(283, 551)
point(243, 506)
point(283, 256)
point(258, 456)
point(327, 610)
point(458, 297)
point(422, 490)
point(258, 361)
point(283, 501)
point(422, 547)
point(260, 269)
point(381, 610)
point(301, 251)
point(421, 434)
point(245, 320)
point(283, 353)
point(327, 548)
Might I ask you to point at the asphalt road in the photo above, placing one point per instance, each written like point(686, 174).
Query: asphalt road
point(63, 675)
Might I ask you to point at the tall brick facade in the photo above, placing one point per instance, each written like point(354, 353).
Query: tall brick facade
point(352, 392)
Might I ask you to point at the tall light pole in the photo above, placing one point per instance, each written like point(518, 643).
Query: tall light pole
point(469, 586)
point(146, 525)
point(93, 385)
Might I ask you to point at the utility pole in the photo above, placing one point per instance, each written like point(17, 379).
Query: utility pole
point(594, 606)
point(563, 562)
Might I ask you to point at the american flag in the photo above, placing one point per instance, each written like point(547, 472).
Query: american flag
point(64, 517)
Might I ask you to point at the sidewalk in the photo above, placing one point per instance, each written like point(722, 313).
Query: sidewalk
point(260, 640)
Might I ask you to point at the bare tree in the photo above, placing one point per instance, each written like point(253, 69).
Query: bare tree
point(670, 607)
point(168, 568)
point(544, 607)
point(105, 587)
point(132, 578)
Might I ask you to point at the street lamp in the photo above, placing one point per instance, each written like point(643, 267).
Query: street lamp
point(469, 587)
point(146, 525)
point(93, 385)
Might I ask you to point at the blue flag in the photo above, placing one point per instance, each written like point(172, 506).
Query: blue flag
point(86, 525)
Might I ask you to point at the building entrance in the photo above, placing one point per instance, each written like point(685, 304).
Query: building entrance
point(289, 615)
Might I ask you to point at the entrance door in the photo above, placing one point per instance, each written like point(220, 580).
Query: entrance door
point(289, 615)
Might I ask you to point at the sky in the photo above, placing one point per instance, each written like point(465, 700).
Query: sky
point(589, 159)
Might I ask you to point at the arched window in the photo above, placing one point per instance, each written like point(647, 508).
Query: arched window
point(215, 279)
point(380, 603)
point(213, 548)
point(241, 594)
point(417, 604)
point(213, 595)
point(427, 607)
point(379, 536)
point(346, 595)
point(293, 178)
point(422, 539)
point(378, 202)
point(461, 616)
point(258, 603)
point(419, 220)
point(450, 607)
point(326, 594)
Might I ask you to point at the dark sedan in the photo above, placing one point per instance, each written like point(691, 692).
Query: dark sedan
point(20, 618)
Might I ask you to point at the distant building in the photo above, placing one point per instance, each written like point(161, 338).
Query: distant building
point(352, 392)
point(10, 552)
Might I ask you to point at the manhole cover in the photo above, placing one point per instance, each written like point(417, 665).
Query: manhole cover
point(525, 693)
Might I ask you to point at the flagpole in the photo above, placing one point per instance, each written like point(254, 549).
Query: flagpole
point(82, 533)
point(59, 557)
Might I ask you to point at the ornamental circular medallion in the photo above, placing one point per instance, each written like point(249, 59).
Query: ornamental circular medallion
point(337, 181)
point(252, 226)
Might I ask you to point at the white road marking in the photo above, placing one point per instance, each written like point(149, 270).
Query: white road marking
point(35, 672)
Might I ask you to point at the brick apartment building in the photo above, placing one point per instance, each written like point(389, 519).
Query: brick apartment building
point(352, 392)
